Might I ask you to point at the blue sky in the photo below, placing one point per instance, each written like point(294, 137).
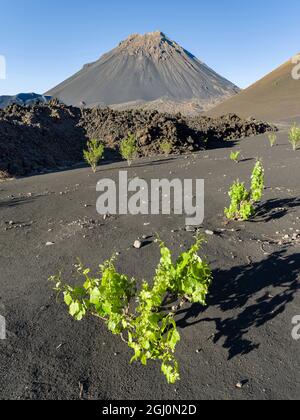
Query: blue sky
point(45, 41)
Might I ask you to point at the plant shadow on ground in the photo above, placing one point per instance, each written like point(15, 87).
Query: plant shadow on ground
point(222, 144)
point(275, 209)
point(245, 289)
point(15, 202)
point(244, 160)
point(136, 165)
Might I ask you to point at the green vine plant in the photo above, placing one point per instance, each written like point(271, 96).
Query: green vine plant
point(294, 136)
point(272, 139)
point(94, 153)
point(243, 202)
point(166, 147)
point(148, 327)
point(234, 156)
point(129, 148)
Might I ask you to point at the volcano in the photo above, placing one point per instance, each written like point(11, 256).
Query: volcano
point(275, 98)
point(144, 70)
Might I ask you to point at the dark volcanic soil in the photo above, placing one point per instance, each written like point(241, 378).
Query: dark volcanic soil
point(244, 335)
point(39, 138)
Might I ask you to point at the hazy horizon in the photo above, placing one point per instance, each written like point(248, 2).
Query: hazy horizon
point(44, 43)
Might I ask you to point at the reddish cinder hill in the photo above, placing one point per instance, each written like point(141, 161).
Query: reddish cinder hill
point(276, 97)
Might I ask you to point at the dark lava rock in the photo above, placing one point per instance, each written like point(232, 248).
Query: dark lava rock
point(54, 135)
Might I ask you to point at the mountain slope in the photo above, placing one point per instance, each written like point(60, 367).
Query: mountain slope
point(23, 99)
point(142, 69)
point(276, 97)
